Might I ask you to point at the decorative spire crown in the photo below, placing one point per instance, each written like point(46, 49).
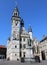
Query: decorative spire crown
point(29, 29)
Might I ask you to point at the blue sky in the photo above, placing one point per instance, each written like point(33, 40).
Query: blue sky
point(34, 12)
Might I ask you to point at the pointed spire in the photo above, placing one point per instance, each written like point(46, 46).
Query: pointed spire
point(16, 8)
point(16, 11)
point(29, 29)
point(22, 23)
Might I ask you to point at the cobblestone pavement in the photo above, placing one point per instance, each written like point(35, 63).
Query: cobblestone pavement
point(4, 62)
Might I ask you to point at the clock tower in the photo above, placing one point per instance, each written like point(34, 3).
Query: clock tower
point(15, 24)
point(14, 47)
point(17, 44)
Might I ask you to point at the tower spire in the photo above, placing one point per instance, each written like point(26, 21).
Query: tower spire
point(16, 11)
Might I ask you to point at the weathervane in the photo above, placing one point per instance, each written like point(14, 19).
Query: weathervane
point(16, 2)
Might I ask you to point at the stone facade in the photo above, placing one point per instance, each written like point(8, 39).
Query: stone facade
point(43, 48)
point(17, 47)
point(21, 44)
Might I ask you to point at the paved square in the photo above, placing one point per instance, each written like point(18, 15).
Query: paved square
point(4, 62)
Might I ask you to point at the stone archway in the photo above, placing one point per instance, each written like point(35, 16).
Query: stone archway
point(43, 55)
point(37, 58)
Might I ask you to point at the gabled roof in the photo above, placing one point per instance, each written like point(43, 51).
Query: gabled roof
point(43, 39)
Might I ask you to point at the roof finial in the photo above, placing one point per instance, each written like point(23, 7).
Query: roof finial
point(16, 7)
point(16, 11)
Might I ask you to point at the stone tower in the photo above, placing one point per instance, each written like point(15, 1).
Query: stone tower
point(13, 45)
point(15, 24)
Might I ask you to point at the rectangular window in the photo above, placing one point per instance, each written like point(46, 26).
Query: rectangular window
point(24, 46)
point(15, 46)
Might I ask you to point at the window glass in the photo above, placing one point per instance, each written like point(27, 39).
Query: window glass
point(15, 46)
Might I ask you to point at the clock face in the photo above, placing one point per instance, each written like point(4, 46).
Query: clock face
point(16, 23)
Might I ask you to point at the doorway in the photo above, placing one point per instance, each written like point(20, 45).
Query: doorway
point(43, 55)
point(37, 58)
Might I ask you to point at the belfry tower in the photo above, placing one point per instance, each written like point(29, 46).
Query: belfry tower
point(13, 43)
point(15, 24)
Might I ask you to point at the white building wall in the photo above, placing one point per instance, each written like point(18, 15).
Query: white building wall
point(12, 51)
point(30, 33)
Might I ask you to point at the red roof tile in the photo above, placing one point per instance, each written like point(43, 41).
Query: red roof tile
point(2, 46)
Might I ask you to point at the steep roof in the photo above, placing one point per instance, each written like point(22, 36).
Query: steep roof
point(43, 39)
